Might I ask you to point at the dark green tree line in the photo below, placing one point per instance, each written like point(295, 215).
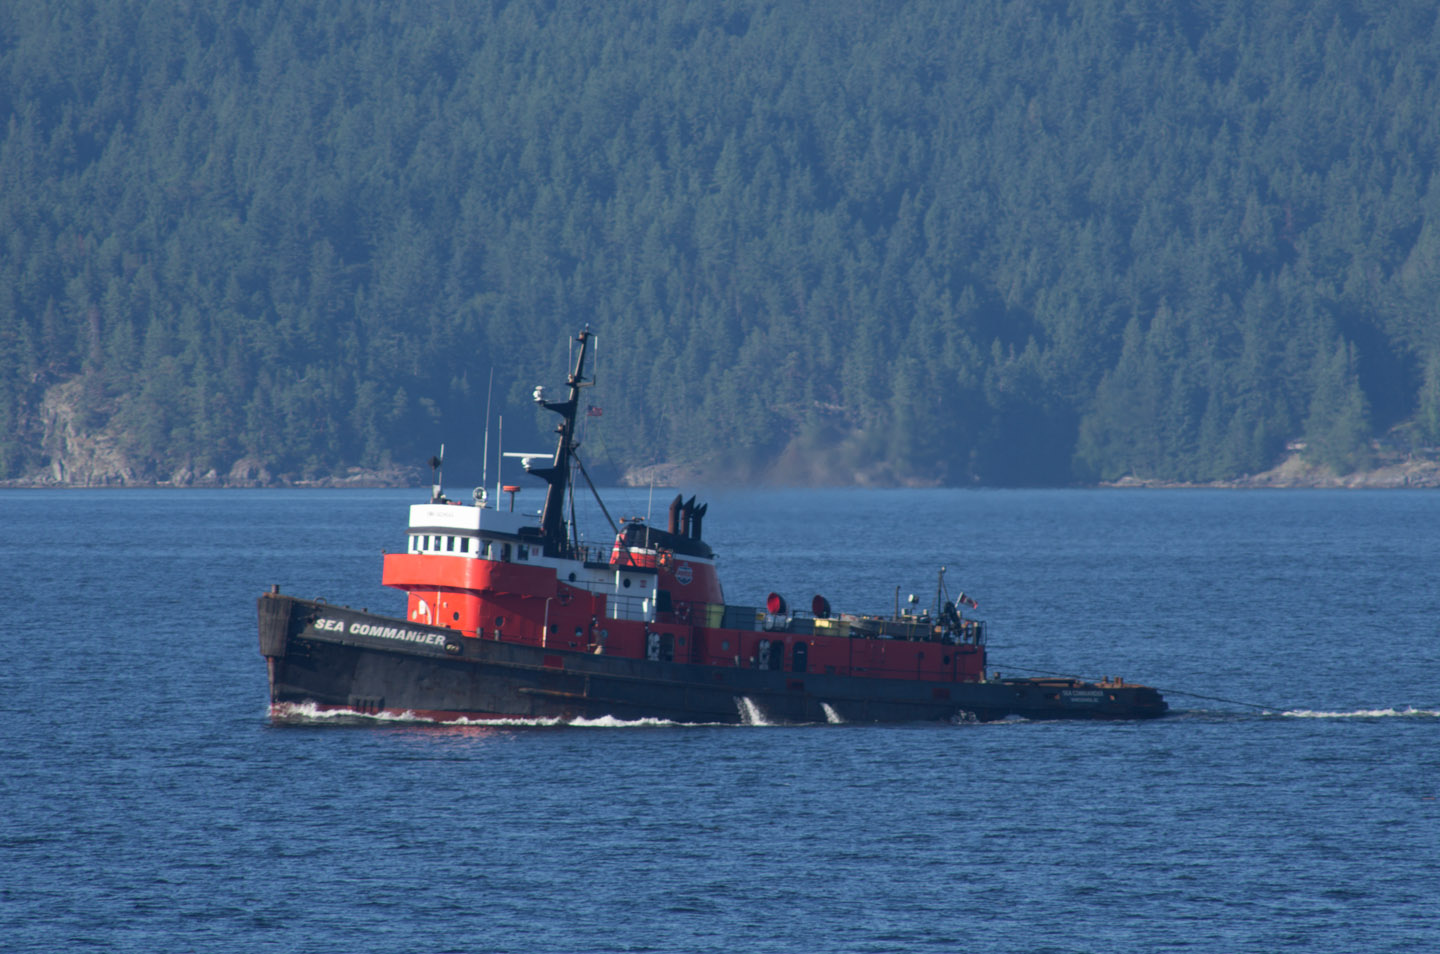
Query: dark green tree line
point(1001, 242)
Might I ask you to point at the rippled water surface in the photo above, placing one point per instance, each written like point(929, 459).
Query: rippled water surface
point(150, 804)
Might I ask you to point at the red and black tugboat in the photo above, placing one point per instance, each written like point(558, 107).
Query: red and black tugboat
point(507, 618)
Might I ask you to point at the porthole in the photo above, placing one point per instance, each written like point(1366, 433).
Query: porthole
point(499, 621)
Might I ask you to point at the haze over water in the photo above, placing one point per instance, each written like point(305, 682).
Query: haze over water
point(151, 805)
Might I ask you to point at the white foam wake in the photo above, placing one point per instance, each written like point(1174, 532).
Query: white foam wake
point(750, 713)
point(610, 722)
point(309, 712)
point(831, 716)
point(1405, 711)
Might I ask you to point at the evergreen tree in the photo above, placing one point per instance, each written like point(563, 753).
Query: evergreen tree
point(1337, 429)
point(996, 242)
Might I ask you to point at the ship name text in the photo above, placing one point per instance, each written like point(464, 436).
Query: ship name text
point(384, 632)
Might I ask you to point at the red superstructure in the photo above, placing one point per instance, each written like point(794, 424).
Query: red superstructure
point(471, 569)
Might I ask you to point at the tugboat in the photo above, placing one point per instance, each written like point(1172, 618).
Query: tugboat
point(508, 618)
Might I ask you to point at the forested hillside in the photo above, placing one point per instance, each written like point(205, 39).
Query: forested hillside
point(997, 242)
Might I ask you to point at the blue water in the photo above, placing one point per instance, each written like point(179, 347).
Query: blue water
point(148, 804)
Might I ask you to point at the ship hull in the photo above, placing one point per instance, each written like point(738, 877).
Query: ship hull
point(334, 658)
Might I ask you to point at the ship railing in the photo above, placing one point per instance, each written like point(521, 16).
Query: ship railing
point(605, 587)
point(591, 554)
point(920, 628)
point(639, 608)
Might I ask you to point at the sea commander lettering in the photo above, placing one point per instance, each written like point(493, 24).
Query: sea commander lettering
point(384, 632)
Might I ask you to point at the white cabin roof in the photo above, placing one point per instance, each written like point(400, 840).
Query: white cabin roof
point(428, 516)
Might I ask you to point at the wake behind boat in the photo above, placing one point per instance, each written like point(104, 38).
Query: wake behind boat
point(512, 617)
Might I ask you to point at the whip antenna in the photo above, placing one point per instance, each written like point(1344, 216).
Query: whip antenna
point(485, 451)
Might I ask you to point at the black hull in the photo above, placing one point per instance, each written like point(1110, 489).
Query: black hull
point(336, 658)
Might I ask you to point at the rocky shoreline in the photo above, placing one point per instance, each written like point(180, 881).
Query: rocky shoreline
point(238, 478)
point(1297, 473)
point(1413, 472)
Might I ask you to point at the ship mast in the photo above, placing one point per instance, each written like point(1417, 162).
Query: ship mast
point(557, 475)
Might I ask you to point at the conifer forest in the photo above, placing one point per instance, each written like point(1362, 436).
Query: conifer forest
point(997, 242)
